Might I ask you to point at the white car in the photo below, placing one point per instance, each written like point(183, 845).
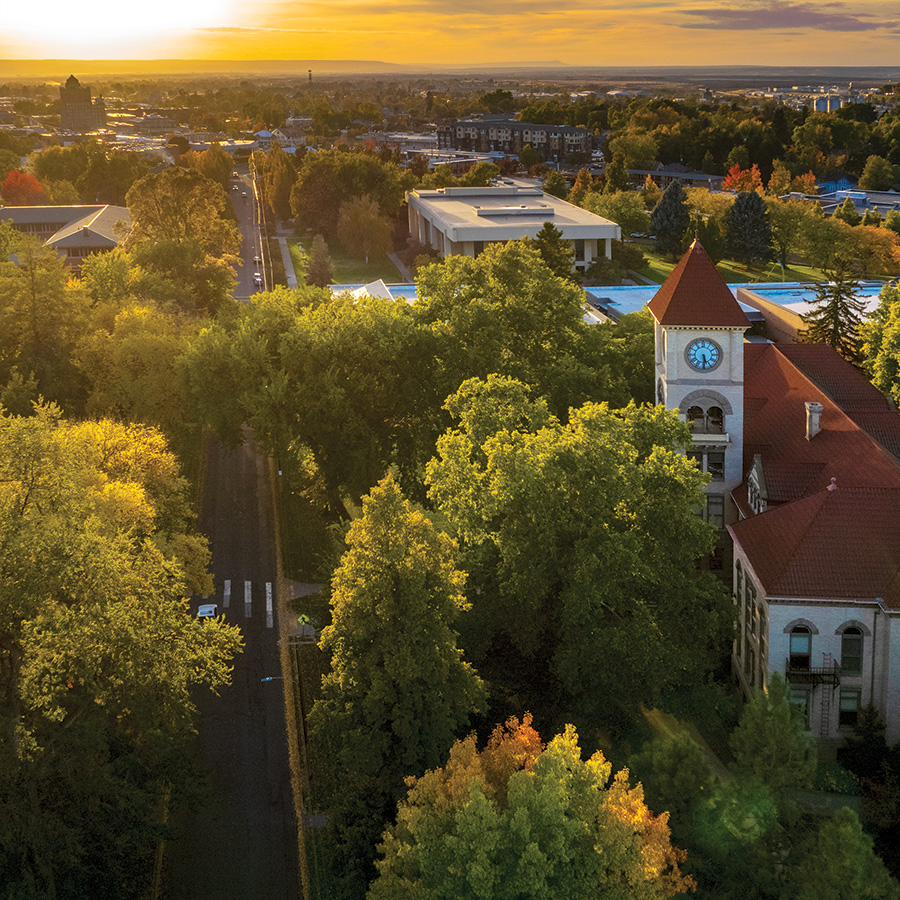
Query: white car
point(257, 279)
point(207, 611)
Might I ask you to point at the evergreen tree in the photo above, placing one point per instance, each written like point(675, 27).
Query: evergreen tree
point(670, 219)
point(872, 217)
point(846, 212)
point(710, 235)
point(556, 253)
point(771, 743)
point(319, 265)
point(748, 233)
point(836, 316)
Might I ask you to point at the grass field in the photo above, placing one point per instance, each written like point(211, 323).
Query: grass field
point(657, 268)
point(347, 269)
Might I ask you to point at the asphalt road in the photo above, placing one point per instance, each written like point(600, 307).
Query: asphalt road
point(242, 199)
point(242, 844)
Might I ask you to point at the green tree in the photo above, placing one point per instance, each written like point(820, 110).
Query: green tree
point(329, 178)
point(617, 178)
point(771, 742)
point(506, 312)
point(892, 221)
point(675, 775)
point(584, 185)
point(780, 180)
point(710, 236)
point(787, 219)
point(319, 265)
point(748, 235)
point(872, 217)
point(100, 652)
point(278, 181)
point(847, 213)
point(570, 559)
point(213, 163)
point(840, 864)
point(362, 229)
point(556, 185)
point(878, 175)
point(625, 208)
point(836, 315)
point(482, 174)
point(516, 820)
point(557, 254)
point(637, 151)
point(398, 690)
point(41, 319)
point(529, 156)
point(670, 219)
point(180, 231)
point(880, 342)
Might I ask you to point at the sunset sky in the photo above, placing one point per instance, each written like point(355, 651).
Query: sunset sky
point(580, 32)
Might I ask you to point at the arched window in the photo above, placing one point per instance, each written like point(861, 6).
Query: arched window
point(696, 418)
point(851, 651)
point(715, 420)
point(801, 640)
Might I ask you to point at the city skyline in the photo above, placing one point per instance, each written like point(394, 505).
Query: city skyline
point(425, 32)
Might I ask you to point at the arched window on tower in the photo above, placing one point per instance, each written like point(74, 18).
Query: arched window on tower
point(696, 418)
point(715, 421)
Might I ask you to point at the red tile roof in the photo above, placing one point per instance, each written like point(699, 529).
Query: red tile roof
point(695, 294)
point(833, 544)
point(814, 542)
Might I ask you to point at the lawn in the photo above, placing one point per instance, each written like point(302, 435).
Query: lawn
point(657, 268)
point(347, 269)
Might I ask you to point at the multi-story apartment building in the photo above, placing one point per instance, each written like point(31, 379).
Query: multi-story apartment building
point(505, 135)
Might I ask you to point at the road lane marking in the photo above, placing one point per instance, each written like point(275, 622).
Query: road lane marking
point(247, 599)
point(226, 594)
point(269, 619)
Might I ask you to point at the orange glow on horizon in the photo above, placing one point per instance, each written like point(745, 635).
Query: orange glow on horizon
point(430, 33)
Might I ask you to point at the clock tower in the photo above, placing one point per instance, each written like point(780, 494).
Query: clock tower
point(699, 344)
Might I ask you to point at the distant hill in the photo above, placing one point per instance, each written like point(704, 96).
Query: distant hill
point(649, 77)
point(61, 68)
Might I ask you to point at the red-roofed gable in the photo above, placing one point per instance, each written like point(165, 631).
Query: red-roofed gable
point(835, 544)
point(776, 429)
point(696, 295)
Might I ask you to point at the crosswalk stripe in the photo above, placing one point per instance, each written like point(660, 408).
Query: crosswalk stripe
point(226, 593)
point(269, 618)
point(247, 599)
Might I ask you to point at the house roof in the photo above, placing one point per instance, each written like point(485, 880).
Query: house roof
point(859, 438)
point(97, 229)
point(838, 543)
point(832, 527)
point(696, 295)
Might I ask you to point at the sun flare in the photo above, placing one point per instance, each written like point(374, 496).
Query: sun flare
point(109, 28)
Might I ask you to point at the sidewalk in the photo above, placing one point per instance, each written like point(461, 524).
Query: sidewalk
point(288, 264)
point(401, 268)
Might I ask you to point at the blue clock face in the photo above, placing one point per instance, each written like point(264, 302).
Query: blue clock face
point(703, 355)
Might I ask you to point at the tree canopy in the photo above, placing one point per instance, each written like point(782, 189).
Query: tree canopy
point(519, 820)
point(670, 219)
point(581, 541)
point(398, 690)
point(99, 651)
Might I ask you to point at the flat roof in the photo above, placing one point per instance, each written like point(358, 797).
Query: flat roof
point(506, 213)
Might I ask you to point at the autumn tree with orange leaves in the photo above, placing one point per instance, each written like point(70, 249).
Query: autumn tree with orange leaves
point(517, 820)
point(743, 180)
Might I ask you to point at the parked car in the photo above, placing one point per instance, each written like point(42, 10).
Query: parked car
point(207, 611)
point(257, 260)
point(257, 279)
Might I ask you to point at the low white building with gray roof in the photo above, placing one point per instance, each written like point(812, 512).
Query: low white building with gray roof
point(464, 220)
point(76, 231)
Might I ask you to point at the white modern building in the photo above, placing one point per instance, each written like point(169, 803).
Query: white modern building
point(464, 220)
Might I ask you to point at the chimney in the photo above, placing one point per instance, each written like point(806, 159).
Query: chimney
point(813, 418)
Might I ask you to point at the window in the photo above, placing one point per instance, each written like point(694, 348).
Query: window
point(579, 250)
point(800, 699)
point(715, 421)
point(800, 647)
point(706, 421)
point(715, 510)
point(739, 581)
point(849, 708)
point(478, 248)
point(711, 461)
point(851, 651)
